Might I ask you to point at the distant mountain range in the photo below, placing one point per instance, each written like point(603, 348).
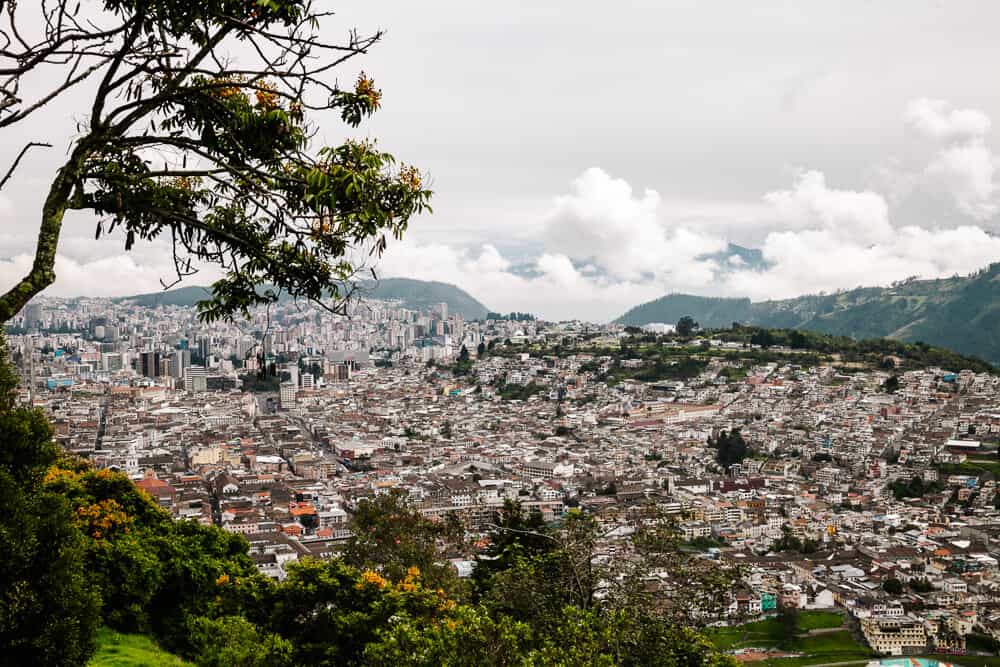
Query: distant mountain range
point(413, 294)
point(959, 313)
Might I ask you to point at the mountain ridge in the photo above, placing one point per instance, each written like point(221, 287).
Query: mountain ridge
point(961, 313)
point(414, 294)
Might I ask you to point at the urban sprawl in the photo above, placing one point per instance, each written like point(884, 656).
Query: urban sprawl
point(877, 503)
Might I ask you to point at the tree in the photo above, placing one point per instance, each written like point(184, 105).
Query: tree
point(686, 326)
point(180, 140)
point(233, 640)
point(49, 606)
point(463, 354)
point(891, 385)
point(533, 571)
point(788, 622)
point(481, 350)
point(892, 586)
point(730, 447)
point(390, 537)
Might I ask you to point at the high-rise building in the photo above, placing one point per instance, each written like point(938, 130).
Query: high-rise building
point(111, 361)
point(149, 364)
point(195, 379)
point(180, 360)
point(33, 315)
point(287, 395)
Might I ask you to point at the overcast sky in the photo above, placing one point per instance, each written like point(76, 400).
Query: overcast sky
point(588, 156)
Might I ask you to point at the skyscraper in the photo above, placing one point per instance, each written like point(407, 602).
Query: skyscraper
point(149, 364)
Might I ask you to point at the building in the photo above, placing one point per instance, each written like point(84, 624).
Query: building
point(149, 364)
point(895, 635)
point(287, 396)
point(195, 379)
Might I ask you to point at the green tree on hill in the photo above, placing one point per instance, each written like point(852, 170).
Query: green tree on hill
point(686, 326)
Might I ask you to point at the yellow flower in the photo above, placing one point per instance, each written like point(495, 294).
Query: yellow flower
point(222, 580)
point(267, 99)
point(410, 176)
point(373, 578)
point(365, 87)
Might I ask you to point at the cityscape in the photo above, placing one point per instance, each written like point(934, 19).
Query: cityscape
point(870, 492)
point(552, 334)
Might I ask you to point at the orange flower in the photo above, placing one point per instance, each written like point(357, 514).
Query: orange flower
point(365, 87)
point(372, 578)
point(267, 99)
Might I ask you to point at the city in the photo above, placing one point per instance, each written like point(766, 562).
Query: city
point(870, 491)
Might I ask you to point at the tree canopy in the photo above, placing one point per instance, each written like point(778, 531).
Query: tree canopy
point(199, 129)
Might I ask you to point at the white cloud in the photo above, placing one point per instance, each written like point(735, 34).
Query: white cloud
point(963, 166)
point(845, 214)
point(938, 119)
point(601, 220)
point(112, 275)
point(607, 250)
point(966, 172)
point(812, 261)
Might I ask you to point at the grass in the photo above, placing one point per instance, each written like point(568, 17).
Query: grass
point(115, 649)
point(975, 467)
point(835, 646)
point(815, 620)
point(769, 632)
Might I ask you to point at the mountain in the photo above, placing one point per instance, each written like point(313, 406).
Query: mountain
point(423, 294)
point(414, 294)
point(738, 257)
point(961, 313)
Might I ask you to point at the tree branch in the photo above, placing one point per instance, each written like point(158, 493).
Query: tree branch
point(17, 160)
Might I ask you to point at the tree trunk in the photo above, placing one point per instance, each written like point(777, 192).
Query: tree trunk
point(42, 272)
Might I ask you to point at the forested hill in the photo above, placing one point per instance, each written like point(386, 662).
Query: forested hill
point(959, 313)
point(414, 294)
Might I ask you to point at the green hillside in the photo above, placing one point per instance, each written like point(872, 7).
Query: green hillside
point(414, 294)
point(423, 294)
point(960, 313)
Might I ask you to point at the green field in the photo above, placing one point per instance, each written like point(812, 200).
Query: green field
point(115, 649)
point(977, 467)
point(831, 644)
point(769, 632)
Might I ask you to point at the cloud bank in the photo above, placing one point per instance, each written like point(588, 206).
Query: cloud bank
point(605, 245)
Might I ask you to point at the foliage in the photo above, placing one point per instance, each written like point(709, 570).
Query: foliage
point(233, 641)
point(730, 447)
point(48, 604)
point(791, 542)
point(115, 649)
point(519, 392)
point(390, 536)
point(788, 621)
point(686, 326)
point(330, 613)
point(959, 313)
point(531, 571)
point(915, 487)
point(185, 142)
point(892, 586)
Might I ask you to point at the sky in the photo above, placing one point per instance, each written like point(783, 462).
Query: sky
point(590, 156)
